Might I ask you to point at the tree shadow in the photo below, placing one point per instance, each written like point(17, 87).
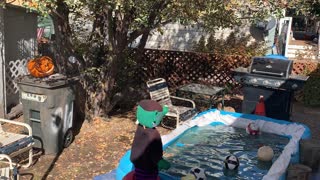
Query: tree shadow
point(56, 158)
point(79, 114)
point(29, 176)
point(59, 147)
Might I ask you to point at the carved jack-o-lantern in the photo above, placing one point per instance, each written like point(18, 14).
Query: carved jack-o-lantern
point(41, 67)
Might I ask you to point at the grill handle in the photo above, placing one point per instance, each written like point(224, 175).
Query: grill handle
point(268, 73)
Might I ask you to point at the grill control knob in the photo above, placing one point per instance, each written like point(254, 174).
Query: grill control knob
point(254, 80)
point(277, 83)
point(265, 82)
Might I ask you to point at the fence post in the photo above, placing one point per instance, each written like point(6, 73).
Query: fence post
point(318, 46)
point(2, 62)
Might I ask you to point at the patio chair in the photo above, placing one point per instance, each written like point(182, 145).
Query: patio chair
point(159, 92)
point(14, 144)
point(10, 172)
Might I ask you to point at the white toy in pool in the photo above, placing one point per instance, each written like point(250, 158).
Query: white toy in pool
point(188, 177)
point(253, 129)
point(198, 173)
point(265, 153)
point(231, 162)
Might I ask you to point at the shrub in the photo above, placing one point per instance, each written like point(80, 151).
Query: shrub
point(235, 44)
point(311, 95)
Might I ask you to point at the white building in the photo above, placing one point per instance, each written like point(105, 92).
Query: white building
point(175, 36)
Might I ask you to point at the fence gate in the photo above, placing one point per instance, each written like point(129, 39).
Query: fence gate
point(9, 94)
point(13, 69)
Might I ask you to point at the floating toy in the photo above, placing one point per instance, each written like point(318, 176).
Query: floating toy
point(198, 173)
point(231, 162)
point(252, 129)
point(188, 177)
point(265, 153)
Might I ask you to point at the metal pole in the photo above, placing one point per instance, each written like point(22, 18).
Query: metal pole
point(318, 45)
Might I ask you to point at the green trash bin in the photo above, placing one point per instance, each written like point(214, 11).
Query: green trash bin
point(48, 107)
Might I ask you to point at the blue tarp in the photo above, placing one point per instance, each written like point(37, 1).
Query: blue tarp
point(276, 56)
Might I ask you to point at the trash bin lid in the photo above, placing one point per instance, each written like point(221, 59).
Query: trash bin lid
point(50, 82)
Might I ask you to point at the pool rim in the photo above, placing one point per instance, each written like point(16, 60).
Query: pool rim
point(126, 166)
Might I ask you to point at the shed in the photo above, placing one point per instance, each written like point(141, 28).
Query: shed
point(18, 43)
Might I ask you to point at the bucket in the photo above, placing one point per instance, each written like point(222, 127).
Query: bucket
point(310, 154)
point(298, 172)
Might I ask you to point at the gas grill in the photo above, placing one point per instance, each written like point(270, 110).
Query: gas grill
point(271, 78)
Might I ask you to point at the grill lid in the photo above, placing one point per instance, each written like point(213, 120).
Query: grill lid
point(271, 67)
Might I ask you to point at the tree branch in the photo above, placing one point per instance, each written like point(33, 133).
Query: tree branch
point(152, 24)
point(135, 34)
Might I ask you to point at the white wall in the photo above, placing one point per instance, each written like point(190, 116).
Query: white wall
point(178, 37)
point(174, 36)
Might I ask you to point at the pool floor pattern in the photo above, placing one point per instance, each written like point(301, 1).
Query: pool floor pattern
point(206, 147)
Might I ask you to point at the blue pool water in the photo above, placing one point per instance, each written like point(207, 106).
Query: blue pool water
point(201, 148)
point(206, 147)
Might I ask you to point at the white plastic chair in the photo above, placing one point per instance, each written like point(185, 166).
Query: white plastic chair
point(159, 92)
point(14, 144)
point(10, 172)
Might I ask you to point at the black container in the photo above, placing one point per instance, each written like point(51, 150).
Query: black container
point(277, 102)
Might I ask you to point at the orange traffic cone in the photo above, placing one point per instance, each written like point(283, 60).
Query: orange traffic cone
point(260, 107)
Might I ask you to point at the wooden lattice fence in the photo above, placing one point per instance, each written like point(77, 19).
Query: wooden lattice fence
point(180, 68)
point(304, 67)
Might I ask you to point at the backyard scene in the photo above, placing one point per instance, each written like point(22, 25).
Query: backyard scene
point(159, 89)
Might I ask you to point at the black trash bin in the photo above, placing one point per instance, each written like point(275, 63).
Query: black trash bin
point(48, 107)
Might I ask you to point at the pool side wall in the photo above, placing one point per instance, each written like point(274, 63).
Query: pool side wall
point(125, 165)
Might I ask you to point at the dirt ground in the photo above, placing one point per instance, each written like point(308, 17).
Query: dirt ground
point(100, 144)
point(96, 150)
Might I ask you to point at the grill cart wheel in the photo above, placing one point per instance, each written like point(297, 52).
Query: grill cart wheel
point(68, 138)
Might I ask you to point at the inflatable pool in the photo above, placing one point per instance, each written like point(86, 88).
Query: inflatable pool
point(213, 117)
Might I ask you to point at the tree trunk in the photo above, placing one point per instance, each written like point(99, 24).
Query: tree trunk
point(109, 57)
point(63, 47)
point(110, 38)
point(117, 28)
point(105, 98)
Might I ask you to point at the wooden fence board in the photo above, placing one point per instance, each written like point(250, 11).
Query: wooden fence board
point(180, 68)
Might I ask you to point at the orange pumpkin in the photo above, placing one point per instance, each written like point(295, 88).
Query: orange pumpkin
point(41, 67)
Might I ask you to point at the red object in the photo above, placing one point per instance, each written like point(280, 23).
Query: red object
point(40, 32)
point(252, 131)
point(130, 176)
point(260, 107)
